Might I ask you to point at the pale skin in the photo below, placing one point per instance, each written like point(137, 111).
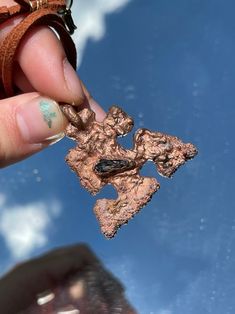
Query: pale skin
point(40, 71)
point(39, 53)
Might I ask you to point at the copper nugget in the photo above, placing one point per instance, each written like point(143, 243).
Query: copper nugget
point(99, 160)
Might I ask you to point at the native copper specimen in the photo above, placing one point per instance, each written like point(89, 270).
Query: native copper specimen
point(99, 160)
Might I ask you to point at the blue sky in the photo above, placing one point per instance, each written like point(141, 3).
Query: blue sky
point(170, 65)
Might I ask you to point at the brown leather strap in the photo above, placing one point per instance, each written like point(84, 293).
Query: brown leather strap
point(23, 6)
point(6, 12)
point(8, 48)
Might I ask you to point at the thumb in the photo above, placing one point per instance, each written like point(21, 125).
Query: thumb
point(28, 123)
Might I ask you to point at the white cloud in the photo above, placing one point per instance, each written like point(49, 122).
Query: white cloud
point(165, 312)
point(89, 16)
point(24, 228)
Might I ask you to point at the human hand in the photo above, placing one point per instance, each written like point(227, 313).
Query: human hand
point(31, 121)
point(65, 280)
point(20, 287)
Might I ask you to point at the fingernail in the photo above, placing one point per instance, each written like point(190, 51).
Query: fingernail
point(73, 83)
point(41, 121)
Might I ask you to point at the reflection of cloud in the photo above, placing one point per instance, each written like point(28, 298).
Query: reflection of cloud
point(90, 19)
point(2, 200)
point(135, 291)
point(24, 227)
point(123, 270)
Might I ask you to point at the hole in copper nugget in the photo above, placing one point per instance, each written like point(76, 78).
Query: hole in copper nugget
point(108, 191)
point(148, 169)
point(126, 141)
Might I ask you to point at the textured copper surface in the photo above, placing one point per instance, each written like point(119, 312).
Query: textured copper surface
point(99, 160)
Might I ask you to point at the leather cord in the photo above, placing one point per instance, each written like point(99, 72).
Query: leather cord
point(24, 6)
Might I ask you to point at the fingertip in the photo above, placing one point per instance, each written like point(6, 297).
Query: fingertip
point(73, 84)
point(99, 111)
point(43, 61)
point(28, 123)
point(100, 114)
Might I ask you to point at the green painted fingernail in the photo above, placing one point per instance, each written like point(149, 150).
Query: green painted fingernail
point(48, 112)
point(41, 121)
